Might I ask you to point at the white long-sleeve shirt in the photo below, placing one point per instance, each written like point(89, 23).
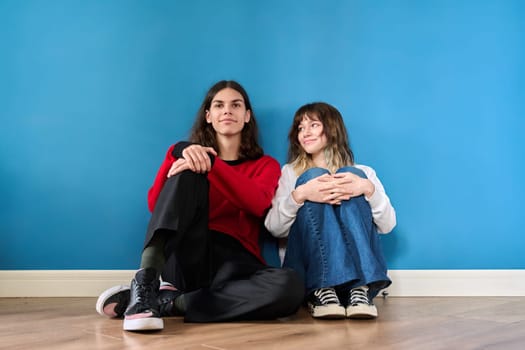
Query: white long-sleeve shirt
point(284, 208)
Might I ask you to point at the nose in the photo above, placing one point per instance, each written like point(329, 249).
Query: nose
point(306, 130)
point(227, 109)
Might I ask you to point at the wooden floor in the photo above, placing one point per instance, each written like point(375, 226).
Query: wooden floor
point(403, 323)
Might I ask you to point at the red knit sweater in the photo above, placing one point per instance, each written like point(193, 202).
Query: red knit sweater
point(240, 196)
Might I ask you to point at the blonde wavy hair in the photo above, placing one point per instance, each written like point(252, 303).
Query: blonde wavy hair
point(337, 151)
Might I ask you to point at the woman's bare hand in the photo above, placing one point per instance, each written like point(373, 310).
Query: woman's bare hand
point(350, 185)
point(333, 189)
point(320, 190)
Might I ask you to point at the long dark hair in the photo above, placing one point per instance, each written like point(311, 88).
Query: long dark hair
point(203, 133)
point(337, 151)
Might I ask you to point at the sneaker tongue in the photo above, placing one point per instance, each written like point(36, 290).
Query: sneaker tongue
point(145, 275)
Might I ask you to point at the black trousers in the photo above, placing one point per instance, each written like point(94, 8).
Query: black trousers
point(221, 279)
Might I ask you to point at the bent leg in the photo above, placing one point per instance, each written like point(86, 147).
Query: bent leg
point(315, 246)
point(181, 217)
point(243, 291)
point(243, 288)
point(362, 241)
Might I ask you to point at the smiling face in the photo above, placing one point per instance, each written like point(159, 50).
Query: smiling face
point(228, 113)
point(311, 136)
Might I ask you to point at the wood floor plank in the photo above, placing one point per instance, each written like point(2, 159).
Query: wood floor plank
point(403, 323)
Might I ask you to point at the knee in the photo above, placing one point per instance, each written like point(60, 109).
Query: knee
point(309, 174)
point(187, 179)
point(353, 170)
point(185, 186)
point(188, 176)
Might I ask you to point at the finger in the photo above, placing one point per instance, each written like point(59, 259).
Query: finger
point(193, 163)
point(341, 175)
point(201, 160)
point(211, 150)
point(173, 170)
point(324, 178)
point(328, 186)
point(202, 165)
point(343, 181)
point(329, 198)
point(170, 172)
point(343, 197)
point(208, 164)
point(179, 168)
point(191, 154)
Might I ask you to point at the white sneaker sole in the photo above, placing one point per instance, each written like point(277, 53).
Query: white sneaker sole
point(330, 311)
point(144, 324)
point(106, 295)
point(361, 311)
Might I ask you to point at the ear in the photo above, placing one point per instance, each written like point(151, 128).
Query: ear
point(208, 119)
point(247, 116)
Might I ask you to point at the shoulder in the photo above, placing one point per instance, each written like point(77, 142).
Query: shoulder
point(368, 170)
point(288, 168)
point(288, 173)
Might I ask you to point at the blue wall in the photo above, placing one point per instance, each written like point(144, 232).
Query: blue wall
point(93, 92)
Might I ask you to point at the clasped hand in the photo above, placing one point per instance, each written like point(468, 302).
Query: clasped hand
point(195, 158)
point(333, 189)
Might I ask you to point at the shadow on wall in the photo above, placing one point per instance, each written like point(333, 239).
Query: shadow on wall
point(394, 246)
point(7, 194)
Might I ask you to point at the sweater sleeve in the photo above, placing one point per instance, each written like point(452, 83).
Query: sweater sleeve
point(179, 147)
point(284, 209)
point(160, 179)
point(383, 212)
point(252, 192)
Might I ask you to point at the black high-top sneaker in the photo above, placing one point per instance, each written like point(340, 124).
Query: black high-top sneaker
point(167, 295)
point(113, 301)
point(143, 312)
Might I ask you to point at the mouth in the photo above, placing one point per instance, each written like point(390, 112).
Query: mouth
point(309, 141)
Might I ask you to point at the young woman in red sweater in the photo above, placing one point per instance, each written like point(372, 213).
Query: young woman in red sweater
point(208, 203)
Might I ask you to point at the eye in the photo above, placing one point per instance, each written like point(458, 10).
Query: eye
point(300, 128)
point(218, 105)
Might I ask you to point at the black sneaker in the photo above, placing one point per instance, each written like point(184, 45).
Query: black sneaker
point(167, 294)
point(324, 303)
point(113, 301)
point(359, 304)
point(143, 312)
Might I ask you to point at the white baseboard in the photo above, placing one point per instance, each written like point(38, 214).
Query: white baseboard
point(60, 283)
point(427, 283)
point(405, 283)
